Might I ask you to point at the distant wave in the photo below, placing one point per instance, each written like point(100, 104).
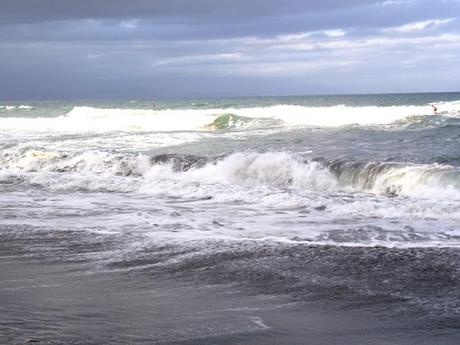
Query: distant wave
point(89, 119)
point(232, 121)
point(14, 107)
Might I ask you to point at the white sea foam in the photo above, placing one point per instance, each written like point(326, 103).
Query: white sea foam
point(8, 107)
point(249, 169)
point(13, 107)
point(57, 173)
point(272, 169)
point(89, 119)
point(236, 212)
point(273, 196)
point(432, 181)
point(284, 170)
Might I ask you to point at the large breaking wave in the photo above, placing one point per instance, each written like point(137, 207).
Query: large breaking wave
point(281, 170)
point(89, 119)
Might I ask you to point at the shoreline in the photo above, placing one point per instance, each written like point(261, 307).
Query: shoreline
point(208, 294)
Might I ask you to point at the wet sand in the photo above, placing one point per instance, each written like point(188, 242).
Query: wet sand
point(227, 293)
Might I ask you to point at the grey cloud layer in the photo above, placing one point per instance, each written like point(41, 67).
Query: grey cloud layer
point(141, 48)
point(26, 11)
point(171, 19)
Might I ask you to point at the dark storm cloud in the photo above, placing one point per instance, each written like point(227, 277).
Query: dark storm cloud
point(27, 11)
point(171, 19)
point(143, 48)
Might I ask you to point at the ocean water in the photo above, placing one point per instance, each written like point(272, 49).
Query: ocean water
point(320, 198)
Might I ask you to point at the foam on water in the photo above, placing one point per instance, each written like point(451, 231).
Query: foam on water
point(284, 195)
point(234, 172)
point(90, 119)
point(177, 211)
point(14, 107)
point(270, 169)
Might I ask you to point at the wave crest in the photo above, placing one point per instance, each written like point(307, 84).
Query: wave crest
point(15, 107)
point(89, 119)
point(280, 170)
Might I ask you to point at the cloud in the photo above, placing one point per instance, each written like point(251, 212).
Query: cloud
point(31, 11)
point(179, 20)
point(142, 48)
point(199, 59)
point(419, 26)
point(130, 24)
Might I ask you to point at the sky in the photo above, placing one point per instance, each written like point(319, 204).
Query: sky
point(144, 49)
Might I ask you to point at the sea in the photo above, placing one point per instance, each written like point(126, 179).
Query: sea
point(254, 220)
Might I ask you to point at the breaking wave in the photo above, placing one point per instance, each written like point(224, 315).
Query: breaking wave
point(232, 121)
point(285, 170)
point(15, 107)
point(89, 119)
point(282, 170)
